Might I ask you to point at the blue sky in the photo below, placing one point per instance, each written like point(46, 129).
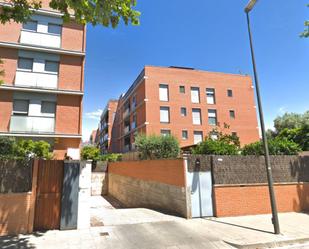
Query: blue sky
point(208, 35)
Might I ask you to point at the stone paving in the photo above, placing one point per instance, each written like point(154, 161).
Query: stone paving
point(148, 229)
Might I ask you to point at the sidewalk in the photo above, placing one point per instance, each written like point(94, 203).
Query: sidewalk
point(153, 230)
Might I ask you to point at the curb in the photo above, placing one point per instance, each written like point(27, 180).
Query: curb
point(272, 244)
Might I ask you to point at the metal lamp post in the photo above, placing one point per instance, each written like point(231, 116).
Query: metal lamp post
point(275, 219)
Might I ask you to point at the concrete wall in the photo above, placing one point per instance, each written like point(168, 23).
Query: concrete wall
point(156, 184)
point(99, 183)
point(17, 209)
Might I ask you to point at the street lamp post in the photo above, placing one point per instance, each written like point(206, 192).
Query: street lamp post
point(275, 219)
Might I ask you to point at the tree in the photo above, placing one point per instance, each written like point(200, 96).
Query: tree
point(306, 31)
point(291, 121)
point(106, 13)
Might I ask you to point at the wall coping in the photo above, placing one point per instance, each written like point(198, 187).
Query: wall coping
point(257, 184)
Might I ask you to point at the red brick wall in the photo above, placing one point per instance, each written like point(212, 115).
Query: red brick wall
point(254, 199)
point(68, 114)
point(245, 123)
point(70, 73)
point(170, 172)
point(9, 58)
point(62, 144)
point(6, 108)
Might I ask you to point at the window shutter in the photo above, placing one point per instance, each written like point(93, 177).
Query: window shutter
point(163, 92)
point(164, 114)
point(195, 95)
point(196, 116)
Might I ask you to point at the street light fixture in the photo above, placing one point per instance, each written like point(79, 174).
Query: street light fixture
point(274, 211)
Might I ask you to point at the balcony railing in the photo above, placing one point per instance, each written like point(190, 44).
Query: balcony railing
point(34, 79)
point(32, 124)
point(40, 39)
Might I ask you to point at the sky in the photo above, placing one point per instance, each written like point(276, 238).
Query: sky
point(208, 35)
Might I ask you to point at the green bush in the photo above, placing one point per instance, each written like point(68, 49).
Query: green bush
point(6, 146)
point(276, 146)
point(157, 147)
point(23, 148)
point(225, 144)
point(90, 153)
point(215, 147)
point(113, 157)
point(298, 135)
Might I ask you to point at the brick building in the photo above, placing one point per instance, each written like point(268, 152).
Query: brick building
point(186, 103)
point(106, 131)
point(41, 97)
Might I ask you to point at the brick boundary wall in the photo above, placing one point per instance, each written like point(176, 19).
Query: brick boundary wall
point(254, 199)
point(155, 184)
point(17, 209)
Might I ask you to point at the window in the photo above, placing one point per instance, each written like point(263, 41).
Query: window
point(212, 117)
point(25, 64)
point(232, 114)
point(164, 114)
point(20, 107)
point(210, 95)
point(54, 29)
point(30, 25)
point(184, 134)
point(195, 95)
point(230, 93)
point(182, 89)
point(197, 137)
point(134, 102)
point(183, 111)
point(163, 92)
point(133, 124)
point(51, 66)
point(196, 116)
point(234, 134)
point(48, 108)
point(165, 132)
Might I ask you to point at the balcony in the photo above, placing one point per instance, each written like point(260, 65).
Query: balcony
point(126, 129)
point(126, 113)
point(34, 79)
point(32, 124)
point(40, 39)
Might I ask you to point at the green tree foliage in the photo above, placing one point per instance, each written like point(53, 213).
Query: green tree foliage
point(306, 31)
point(298, 135)
point(156, 147)
point(24, 148)
point(291, 121)
point(112, 157)
point(277, 146)
point(225, 144)
point(90, 153)
point(106, 13)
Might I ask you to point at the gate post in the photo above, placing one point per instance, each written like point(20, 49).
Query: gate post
point(35, 168)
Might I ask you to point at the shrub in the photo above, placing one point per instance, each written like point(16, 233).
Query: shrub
point(90, 153)
point(113, 157)
point(277, 146)
point(6, 146)
point(30, 148)
point(215, 147)
point(298, 135)
point(225, 144)
point(156, 147)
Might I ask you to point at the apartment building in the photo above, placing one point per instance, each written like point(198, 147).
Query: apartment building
point(106, 131)
point(186, 103)
point(41, 97)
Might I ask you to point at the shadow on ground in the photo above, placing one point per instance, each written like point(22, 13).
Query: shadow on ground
point(18, 241)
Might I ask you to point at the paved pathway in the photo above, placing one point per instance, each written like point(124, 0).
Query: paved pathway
point(147, 229)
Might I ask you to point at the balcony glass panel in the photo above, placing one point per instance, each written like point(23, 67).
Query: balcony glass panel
point(34, 79)
point(40, 39)
point(31, 124)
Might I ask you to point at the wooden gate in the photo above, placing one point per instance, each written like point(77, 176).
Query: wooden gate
point(48, 200)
